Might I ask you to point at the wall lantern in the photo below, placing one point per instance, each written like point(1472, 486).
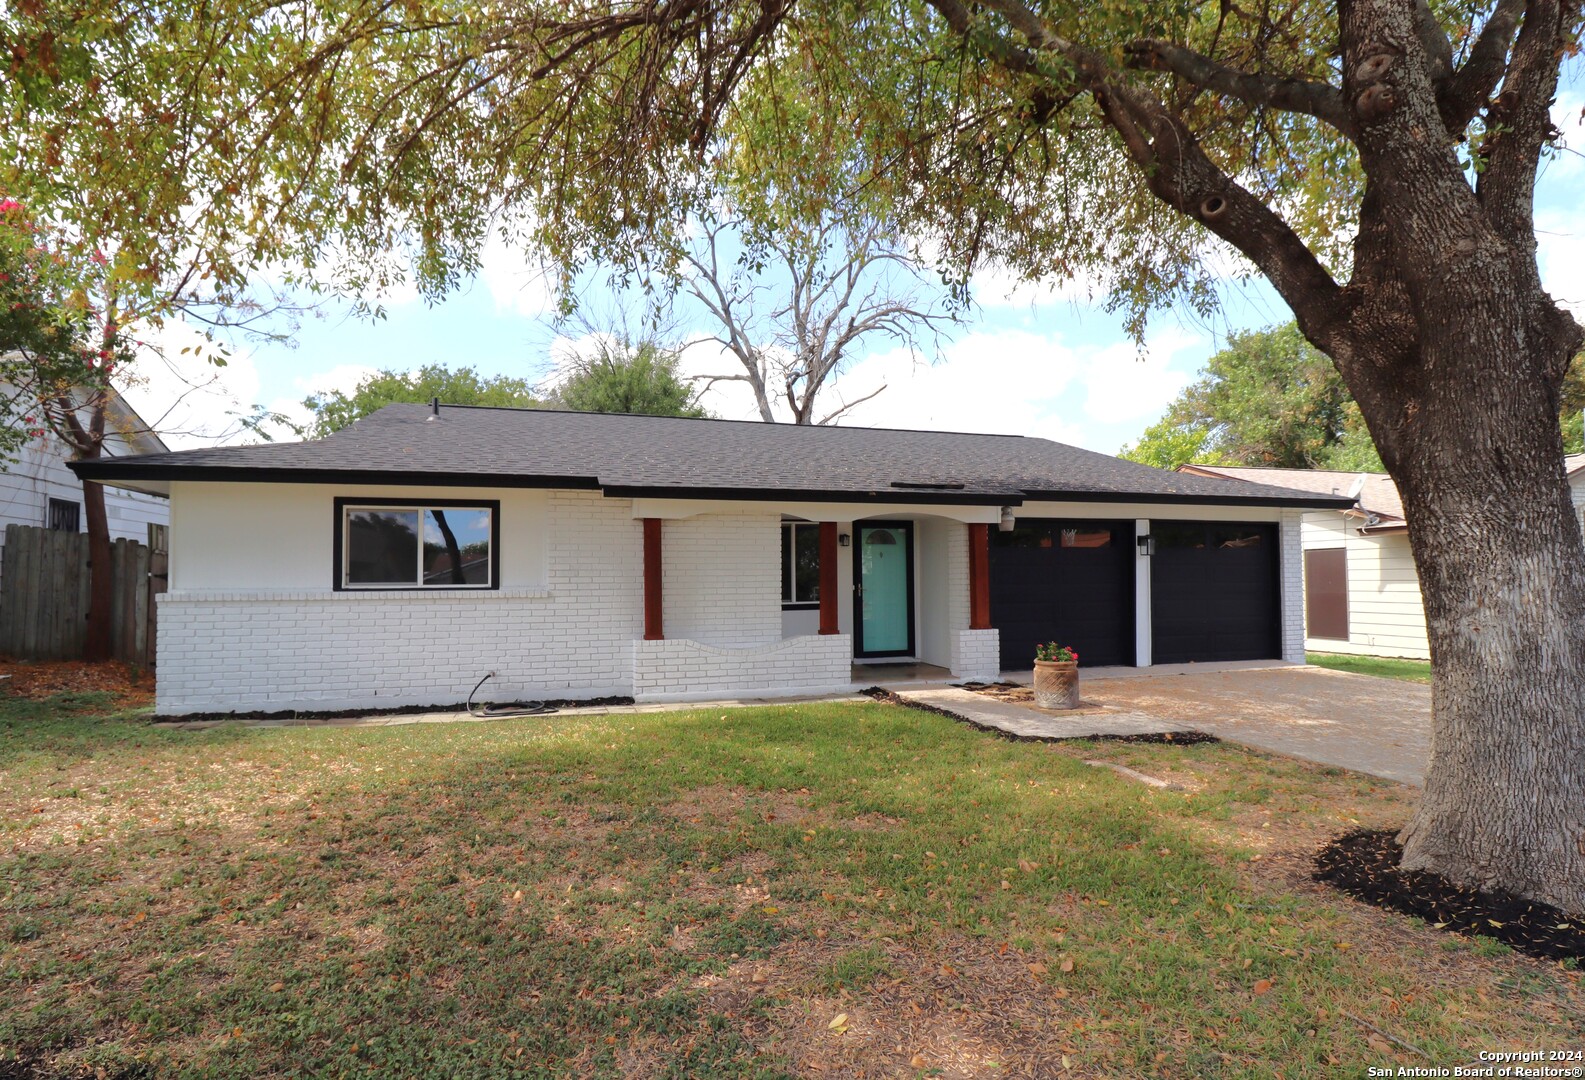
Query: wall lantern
point(1147, 545)
point(844, 539)
point(1006, 524)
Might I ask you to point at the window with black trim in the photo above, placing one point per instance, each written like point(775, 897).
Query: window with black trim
point(800, 564)
point(434, 544)
point(65, 516)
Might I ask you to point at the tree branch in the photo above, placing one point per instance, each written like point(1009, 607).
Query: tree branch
point(1483, 69)
point(1519, 122)
point(848, 405)
point(1320, 100)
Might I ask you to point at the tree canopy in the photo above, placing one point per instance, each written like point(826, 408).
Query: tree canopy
point(1271, 399)
point(336, 409)
point(615, 375)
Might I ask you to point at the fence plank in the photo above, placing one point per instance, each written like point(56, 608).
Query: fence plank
point(30, 600)
point(8, 593)
point(45, 595)
point(140, 605)
point(61, 593)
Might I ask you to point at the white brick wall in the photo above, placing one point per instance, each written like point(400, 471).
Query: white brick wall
point(977, 655)
point(677, 669)
point(721, 576)
point(1291, 568)
point(245, 651)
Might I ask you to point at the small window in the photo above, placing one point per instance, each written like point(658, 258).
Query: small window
point(1086, 538)
point(65, 516)
point(431, 546)
point(800, 564)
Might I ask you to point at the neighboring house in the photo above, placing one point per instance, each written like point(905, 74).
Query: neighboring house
point(399, 560)
point(1362, 593)
point(38, 488)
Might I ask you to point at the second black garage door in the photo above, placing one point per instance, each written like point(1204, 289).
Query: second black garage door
point(1214, 592)
point(1066, 581)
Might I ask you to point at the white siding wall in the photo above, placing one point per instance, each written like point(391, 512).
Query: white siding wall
point(40, 474)
point(1385, 614)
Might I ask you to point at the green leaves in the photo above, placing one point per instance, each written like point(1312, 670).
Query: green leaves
point(463, 386)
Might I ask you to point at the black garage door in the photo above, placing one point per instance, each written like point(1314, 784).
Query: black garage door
point(1214, 592)
point(1066, 581)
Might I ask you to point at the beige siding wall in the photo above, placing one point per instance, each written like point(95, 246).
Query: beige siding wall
point(1385, 613)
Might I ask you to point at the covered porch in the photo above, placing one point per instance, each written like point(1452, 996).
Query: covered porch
point(810, 599)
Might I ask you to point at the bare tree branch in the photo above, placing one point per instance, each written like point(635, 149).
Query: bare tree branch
point(840, 293)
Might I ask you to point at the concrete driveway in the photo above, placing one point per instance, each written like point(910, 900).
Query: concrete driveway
point(1377, 726)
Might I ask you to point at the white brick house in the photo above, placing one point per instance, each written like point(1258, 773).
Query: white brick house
point(578, 555)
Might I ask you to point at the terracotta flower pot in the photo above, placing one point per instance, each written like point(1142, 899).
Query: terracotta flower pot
point(1057, 684)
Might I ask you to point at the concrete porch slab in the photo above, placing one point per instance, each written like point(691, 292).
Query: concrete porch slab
point(1030, 723)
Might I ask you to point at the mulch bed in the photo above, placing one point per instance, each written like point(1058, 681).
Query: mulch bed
point(1169, 738)
point(400, 710)
point(1364, 865)
point(133, 687)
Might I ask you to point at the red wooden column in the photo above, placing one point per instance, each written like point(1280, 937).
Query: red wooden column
point(979, 577)
point(828, 577)
point(653, 631)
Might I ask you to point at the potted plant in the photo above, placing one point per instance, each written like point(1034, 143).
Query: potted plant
point(1056, 676)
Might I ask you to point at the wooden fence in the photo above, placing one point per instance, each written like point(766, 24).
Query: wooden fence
point(44, 594)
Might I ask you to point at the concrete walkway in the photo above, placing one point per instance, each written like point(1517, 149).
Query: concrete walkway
point(1360, 722)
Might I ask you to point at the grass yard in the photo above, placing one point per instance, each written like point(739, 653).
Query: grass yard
point(838, 890)
point(1383, 667)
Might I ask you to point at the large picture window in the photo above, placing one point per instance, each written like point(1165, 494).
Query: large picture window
point(800, 564)
point(436, 544)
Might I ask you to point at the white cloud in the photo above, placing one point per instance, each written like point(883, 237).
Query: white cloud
point(1019, 382)
point(995, 287)
point(186, 398)
point(1559, 234)
point(342, 377)
point(515, 282)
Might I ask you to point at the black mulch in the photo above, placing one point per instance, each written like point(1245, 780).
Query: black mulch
point(1364, 865)
point(402, 710)
point(1167, 738)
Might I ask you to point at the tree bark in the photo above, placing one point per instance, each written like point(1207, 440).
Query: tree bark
point(97, 642)
point(1501, 561)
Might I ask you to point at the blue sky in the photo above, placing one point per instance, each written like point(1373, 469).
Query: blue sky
point(1026, 360)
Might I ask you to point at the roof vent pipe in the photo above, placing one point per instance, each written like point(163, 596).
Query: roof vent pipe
point(434, 409)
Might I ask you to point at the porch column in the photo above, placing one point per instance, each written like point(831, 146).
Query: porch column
point(828, 577)
point(979, 577)
point(652, 597)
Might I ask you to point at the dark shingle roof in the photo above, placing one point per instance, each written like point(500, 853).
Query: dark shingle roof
point(664, 456)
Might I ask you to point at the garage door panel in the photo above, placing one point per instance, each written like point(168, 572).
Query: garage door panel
point(1064, 580)
point(1214, 592)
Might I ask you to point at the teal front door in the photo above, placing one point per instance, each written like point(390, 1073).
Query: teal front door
point(884, 588)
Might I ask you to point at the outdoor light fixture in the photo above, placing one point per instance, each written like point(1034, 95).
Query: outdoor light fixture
point(844, 539)
point(1147, 545)
point(1006, 524)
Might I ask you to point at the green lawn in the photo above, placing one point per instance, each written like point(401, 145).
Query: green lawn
point(708, 894)
point(1381, 666)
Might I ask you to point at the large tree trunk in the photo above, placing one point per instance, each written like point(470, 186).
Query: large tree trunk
point(100, 583)
point(1470, 434)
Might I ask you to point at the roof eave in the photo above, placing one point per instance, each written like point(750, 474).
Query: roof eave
point(128, 469)
point(1297, 501)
